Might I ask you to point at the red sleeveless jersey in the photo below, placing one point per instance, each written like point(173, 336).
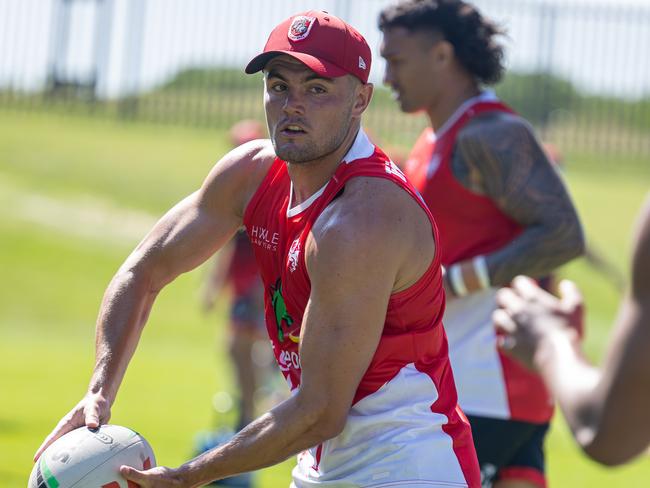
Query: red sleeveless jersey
point(489, 383)
point(242, 272)
point(412, 350)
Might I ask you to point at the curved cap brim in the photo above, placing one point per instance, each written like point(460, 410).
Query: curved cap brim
point(319, 66)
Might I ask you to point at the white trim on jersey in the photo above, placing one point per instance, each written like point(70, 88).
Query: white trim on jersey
point(391, 438)
point(362, 148)
point(474, 357)
point(484, 96)
point(292, 212)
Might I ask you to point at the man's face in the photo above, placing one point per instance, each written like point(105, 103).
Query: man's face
point(410, 68)
point(308, 116)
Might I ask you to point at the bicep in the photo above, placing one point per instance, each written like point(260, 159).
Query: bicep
point(513, 170)
point(342, 325)
point(204, 221)
point(182, 239)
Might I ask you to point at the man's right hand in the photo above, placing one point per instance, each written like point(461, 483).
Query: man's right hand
point(93, 410)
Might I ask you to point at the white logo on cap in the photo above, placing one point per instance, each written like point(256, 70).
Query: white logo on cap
point(362, 63)
point(300, 27)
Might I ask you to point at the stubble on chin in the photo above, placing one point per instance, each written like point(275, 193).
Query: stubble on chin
point(296, 155)
point(311, 150)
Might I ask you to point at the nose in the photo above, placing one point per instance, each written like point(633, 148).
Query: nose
point(293, 103)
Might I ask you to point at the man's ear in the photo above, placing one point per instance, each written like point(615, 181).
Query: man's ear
point(362, 97)
point(442, 53)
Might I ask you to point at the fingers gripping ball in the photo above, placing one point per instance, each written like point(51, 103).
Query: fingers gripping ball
point(87, 458)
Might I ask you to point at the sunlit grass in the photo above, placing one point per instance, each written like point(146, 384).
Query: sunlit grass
point(54, 276)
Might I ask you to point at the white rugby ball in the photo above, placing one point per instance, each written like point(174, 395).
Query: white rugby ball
point(86, 458)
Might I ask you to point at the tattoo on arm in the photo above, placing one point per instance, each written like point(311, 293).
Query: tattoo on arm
point(498, 156)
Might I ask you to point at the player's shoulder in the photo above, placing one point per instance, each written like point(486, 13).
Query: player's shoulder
point(370, 211)
point(367, 199)
point(494, 127)
point(256, 155)
point(246, 163)
point(238, 174)
point(373, 224)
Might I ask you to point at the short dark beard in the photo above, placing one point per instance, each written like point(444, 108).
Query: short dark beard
point(317, 149)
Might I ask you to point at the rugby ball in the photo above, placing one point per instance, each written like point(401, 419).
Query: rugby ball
point(91, 458)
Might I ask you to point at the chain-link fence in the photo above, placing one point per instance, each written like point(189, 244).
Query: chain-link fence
point(579, 71)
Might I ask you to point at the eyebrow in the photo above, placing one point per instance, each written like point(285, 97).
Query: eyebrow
point(272, 73)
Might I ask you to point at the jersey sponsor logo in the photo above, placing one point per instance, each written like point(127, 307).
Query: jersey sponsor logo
point(288, 360)
point(261, 236)
point(294, 254)
point(280, 310)
point(300, 27)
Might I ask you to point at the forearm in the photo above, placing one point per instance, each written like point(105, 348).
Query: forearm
point(573, 382)
point(123, 313)
point(537, 251)
point(288, 429)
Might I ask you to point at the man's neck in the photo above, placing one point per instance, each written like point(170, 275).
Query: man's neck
point(311, 176)
point(448, 103)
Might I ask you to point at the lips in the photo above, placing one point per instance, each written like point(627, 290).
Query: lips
point(292, 129)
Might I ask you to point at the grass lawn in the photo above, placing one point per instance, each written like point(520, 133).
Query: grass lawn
point(76, 194)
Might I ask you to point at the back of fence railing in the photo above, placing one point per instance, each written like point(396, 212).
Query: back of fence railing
point(580, 73)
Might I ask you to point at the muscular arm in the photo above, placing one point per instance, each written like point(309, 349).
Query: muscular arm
point(497, 155)
point(610, 421)
point(184, 238)
point(606, 408)
point(354, 258)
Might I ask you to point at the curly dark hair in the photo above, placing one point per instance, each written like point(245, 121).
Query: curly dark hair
point(461, 24)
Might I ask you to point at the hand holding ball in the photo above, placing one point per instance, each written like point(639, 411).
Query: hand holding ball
point(86, 458)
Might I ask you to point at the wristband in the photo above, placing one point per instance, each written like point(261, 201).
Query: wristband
point(481, 271)
point(456, 281)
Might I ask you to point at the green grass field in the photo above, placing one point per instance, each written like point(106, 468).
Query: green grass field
point(75, 196)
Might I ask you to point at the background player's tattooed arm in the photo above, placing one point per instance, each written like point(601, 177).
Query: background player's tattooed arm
point(498, 156)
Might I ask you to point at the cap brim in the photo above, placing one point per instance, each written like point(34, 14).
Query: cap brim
point(318, 66)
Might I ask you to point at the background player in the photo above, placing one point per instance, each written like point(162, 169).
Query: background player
point(501, 208)
point(606, 408)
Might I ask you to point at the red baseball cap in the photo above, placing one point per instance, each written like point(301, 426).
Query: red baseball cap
point(322, 41)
